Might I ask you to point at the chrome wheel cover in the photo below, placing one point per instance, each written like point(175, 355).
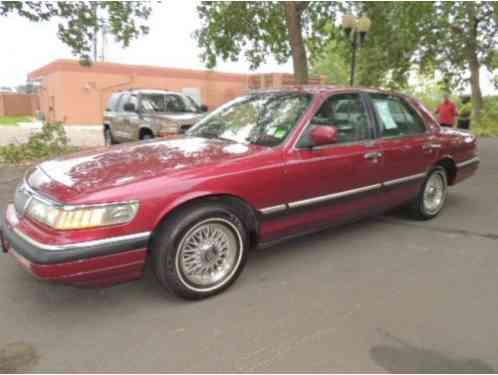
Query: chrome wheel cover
point(434, 193)
point(209, 254)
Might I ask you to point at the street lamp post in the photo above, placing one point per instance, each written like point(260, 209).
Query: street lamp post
point(356, 29)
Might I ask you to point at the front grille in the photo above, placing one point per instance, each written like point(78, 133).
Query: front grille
point(21, 199)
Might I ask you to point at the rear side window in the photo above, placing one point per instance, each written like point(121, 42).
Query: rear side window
point(395, 117)
point(112, 105)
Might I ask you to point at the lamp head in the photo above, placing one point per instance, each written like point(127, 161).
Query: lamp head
point(348, 23)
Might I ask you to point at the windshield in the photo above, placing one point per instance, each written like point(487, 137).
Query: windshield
point(264, 119)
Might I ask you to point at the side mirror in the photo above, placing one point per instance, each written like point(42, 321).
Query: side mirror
point(129, 107)
point(204, 108)
point(323, 135)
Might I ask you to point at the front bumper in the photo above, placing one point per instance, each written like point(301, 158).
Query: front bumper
point(99, 263)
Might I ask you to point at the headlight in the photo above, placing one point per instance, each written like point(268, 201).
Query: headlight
point(68, 217)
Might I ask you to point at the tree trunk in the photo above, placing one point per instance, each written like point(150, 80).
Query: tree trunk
point(293, 11)
point(476, 87)
point(473, 60)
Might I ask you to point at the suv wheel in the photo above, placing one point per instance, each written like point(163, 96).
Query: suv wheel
point(146, 136)
point(200, 251)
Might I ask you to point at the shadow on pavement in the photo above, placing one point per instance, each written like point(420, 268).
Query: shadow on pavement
point(407, 358)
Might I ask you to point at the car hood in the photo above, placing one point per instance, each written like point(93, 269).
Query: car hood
point(180, 118)
point(87, 172)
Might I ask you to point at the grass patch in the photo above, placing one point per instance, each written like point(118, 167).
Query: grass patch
point(13, 120)
point(51, 141)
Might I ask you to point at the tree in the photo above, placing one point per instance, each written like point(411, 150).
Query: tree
point(261, 29)
point(454, 38)
point(333, 63)
point(80, 22)
point(464, 38)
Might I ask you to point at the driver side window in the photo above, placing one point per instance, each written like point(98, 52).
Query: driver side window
point(346, 113)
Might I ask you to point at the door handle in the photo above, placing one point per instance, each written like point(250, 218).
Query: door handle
point(373, 155)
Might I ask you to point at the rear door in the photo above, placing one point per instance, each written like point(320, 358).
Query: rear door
point(407, 146)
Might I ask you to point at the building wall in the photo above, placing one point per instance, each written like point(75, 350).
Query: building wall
point(76, 94)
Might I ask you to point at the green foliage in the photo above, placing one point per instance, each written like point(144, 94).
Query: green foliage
point(80, 21)
point(51, 141)
point(488, 126)
point(447, 36)
point(259, 30)
point(333, 64)
point(13, 120)
point(431, 93)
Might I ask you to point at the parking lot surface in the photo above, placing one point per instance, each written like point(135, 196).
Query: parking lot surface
point(384, 294)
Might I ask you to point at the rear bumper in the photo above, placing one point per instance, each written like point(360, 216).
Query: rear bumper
point(92, 263)
point(466, 169)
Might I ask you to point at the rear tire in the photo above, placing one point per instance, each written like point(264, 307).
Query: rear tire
point(432, 195)
point(200, 251)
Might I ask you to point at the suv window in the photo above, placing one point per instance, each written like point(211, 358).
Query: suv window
point(174, 103)
point(127, 98)
point(154, 100)
point(123, 99)
point(113, 102)
point(346, 113)
point(395, 117)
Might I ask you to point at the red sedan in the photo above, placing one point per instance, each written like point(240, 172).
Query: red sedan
point(263, 167)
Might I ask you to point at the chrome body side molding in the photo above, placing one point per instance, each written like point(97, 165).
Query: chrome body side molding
point(468, 162)
point(341, 194)
point(404, 179)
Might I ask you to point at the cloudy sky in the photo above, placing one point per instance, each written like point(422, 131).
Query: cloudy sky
point(26, 46)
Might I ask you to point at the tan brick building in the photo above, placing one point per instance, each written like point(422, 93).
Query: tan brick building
point(75, 94)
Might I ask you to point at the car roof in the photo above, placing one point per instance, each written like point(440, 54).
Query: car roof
point(150, 91)
point(324, 89)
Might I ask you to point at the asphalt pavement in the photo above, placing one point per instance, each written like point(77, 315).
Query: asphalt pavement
point(385, 294)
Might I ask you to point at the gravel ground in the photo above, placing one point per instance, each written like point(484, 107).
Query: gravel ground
point(385, 294)
point(81, 136)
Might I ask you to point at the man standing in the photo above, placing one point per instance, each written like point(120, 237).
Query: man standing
point(447, 112)
point(465, 113)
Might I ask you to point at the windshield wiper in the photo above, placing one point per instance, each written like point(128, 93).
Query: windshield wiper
point(211, 135)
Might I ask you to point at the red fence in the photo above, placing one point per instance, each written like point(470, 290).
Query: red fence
point(18, 104)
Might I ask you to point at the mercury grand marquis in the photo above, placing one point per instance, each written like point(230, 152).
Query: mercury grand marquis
point(262, 168)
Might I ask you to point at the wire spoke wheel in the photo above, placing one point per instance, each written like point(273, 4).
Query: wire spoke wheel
point(209, 254)
point(434, 193)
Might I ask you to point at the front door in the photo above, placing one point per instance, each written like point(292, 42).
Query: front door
point(407, 146)
point(337, 182)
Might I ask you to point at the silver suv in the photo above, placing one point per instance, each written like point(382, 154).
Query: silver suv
point(144, 114)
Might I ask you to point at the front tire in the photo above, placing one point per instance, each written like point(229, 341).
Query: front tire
point(200, 251)
point(432, 196)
